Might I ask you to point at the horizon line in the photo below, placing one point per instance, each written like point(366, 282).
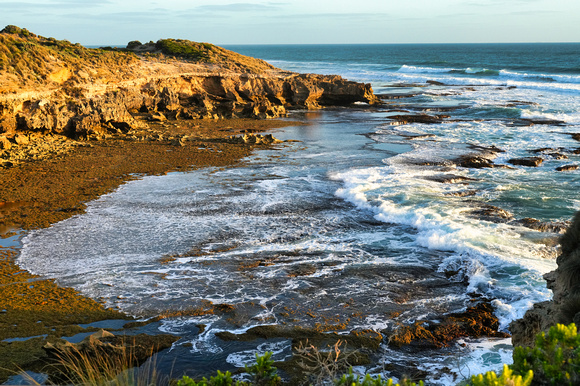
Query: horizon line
point(335, 44)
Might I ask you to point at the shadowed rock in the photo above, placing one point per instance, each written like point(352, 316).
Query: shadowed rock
point(565, 285)
point(474, 161)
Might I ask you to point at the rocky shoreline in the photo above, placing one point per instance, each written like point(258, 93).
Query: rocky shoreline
point(78, 131)
point(81, 129)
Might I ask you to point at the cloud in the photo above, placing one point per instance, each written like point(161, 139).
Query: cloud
point(492, 3)
point(240, 7)
point(138, 17)
point(61, 4)
point(336, 16)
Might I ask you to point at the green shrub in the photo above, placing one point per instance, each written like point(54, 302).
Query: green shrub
point(555, 358)
point(262, 372)
point(221, 379)
point(507, 378)
point(351, 379)
point(134, 44)
point(182, 48)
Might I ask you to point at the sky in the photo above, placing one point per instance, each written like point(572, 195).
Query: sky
point(116, 22)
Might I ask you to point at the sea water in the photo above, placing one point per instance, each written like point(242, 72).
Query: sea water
point(352, 224)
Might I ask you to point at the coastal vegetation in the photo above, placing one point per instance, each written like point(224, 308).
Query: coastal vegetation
point(187, 50)
point(28, 60)
point(553, 360)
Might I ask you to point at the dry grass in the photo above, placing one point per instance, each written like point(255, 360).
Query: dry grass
point(101, 365)
point(322, 366)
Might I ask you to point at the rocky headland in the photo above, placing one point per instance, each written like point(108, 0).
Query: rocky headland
point(51, 87)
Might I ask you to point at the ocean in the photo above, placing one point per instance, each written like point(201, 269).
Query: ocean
point(359, 225)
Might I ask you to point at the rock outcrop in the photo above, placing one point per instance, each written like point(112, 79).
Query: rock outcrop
point(77, 94)
point(182, 96)
point(565, 284)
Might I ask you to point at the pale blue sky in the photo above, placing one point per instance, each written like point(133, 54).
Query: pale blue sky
point(108, 22)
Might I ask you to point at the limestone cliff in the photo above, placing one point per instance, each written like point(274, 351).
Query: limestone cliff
point(565, 284)
point(51, 86)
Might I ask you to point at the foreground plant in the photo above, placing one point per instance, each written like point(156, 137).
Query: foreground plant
point(351, 379)
point(221, 379)
point(507, 378)
point(323, 366)
point(101, 364)
point(263, 373)
point(555, 358)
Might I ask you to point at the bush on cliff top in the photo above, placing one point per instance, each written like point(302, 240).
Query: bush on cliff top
point(184, 49)
point(201, 53)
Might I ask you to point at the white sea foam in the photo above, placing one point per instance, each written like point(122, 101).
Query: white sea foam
point(280, 351)
point(430, 70)
point(402, 196)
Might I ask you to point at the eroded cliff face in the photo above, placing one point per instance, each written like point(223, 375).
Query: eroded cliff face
point(83, 111)
point(565, 284)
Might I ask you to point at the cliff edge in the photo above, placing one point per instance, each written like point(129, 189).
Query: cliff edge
point(51, 86)
point(564, 282)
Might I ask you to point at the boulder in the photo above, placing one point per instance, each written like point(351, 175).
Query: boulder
point(435, 83)
point(21, 139)
point(474, 161)
point(156, 117)
point(5, 143)
point(542, 226)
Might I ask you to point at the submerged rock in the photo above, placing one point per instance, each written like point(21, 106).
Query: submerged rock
point(450, 179)
point(475, 161)
point(477, 321)
point(542, 226)
point(414, 118)
point(491, 213)
point(566, 168)
point(527, 161)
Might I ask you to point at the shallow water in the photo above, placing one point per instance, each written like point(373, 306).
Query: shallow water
point(347, 229)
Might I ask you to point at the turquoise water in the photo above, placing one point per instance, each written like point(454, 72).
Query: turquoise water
point(354, 213)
